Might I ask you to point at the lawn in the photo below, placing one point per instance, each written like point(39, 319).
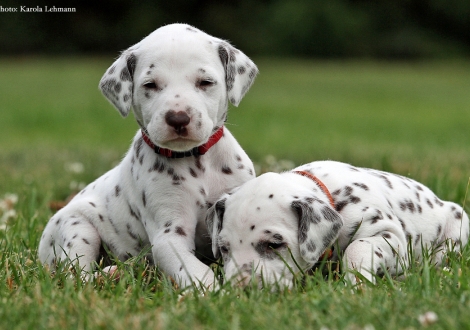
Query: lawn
point(58, 133)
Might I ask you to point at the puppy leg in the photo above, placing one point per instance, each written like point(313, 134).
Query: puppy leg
point(455, 233)
point(73, 238)
point(173, 252)
point(371, 256)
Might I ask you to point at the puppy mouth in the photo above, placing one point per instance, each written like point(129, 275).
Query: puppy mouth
point(180, 143)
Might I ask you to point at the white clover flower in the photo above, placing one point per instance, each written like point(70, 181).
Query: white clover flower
point(8, 202)
point(75, 167)
point(428, 318)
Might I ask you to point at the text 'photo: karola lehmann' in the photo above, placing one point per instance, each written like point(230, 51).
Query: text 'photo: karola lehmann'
point(37, 9)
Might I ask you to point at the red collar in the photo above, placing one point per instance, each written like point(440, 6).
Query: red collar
point(196, 151)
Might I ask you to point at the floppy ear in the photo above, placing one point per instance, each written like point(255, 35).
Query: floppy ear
point(319, 226)
point(214, 222)
point(117, 83)
point(240, 71)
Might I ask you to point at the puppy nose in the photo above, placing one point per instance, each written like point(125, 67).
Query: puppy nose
point(178, 120)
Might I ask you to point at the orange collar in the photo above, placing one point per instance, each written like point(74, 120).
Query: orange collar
point(320, 185)
point(328, 253)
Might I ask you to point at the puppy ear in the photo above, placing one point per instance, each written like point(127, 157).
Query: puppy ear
point(240, 71)
point(214, 222)
point(319, 226)
point(117, 84)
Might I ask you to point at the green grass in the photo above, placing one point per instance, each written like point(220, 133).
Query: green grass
point(409, 118)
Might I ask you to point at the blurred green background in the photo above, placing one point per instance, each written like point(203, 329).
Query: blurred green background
point(308, 28)
point(380, 84)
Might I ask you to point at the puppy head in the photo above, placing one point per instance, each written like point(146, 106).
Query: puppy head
point(178, 81)
point(270, 224)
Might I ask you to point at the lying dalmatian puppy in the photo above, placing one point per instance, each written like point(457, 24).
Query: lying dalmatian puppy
point(178, 82)
point(367, 216)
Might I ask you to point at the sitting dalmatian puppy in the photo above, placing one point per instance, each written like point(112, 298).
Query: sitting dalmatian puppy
point(274, 224)
point(178, 82)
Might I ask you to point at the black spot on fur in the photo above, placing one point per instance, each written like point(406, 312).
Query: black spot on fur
point(418, 197)
point(311, 247)
point(336, 192)
point(158, 166)
point(378, 216)
point(271, 196)
point(131, 234)
point(85, 241)
point(180, 231)
point(387, 236)
point(348, 190)
point(117, 87)
point(402, 223)
point(131, 64)
point(417, 239)
point(125, 75)
point(361, 185)
point(384, 178)
point(220, 210)
point(252, 227)
point(92, 204)
point(192, 172)
point(117, 190)
point(134, 213)
point(252, 73)
point(354, 199)
point(439, 231)
point(144, 199)
point(226, 170)
point(378, 254)
point(138, 146)
point(199, 165)
point(341, 205)
point(429, 203)
point(329, 214)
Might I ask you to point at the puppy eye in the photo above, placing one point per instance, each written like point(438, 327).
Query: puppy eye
point(150, 85)
point(224, 249)
point(275, 246)
point(204, 83)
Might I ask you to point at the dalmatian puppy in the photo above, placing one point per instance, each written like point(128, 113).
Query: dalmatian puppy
point(178, 82)
point(272, 225)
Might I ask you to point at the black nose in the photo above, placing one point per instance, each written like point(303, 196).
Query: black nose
point(178, 120)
